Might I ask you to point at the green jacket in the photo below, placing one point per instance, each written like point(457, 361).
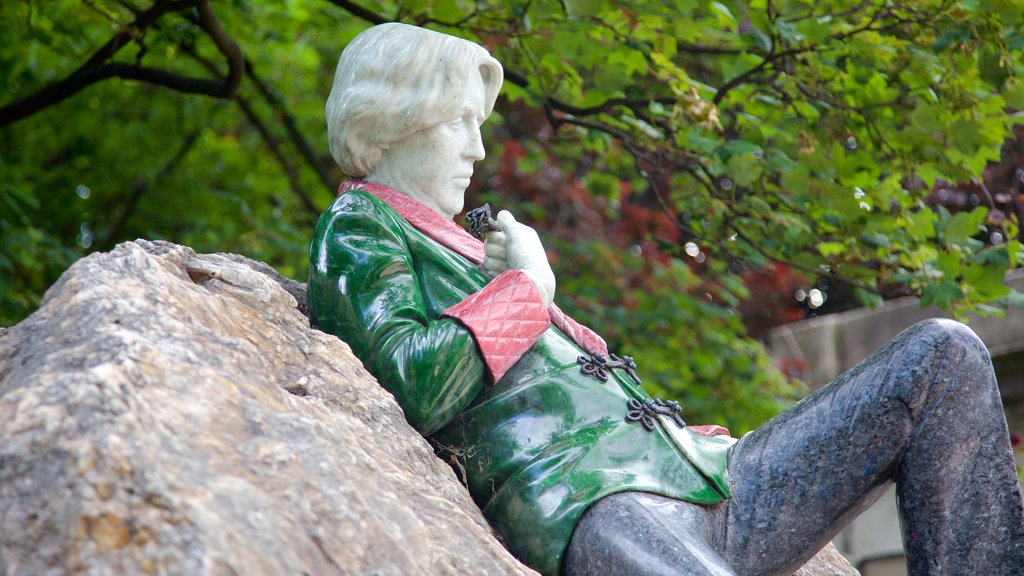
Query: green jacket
point(535, 448)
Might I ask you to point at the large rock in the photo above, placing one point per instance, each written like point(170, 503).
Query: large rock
point(171, 413)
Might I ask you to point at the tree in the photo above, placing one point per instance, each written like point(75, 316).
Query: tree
point(668, 149)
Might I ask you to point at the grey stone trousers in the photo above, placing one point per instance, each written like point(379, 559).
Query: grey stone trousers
point(923, 411)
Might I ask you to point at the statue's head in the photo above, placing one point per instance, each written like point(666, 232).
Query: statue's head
point(406, 107)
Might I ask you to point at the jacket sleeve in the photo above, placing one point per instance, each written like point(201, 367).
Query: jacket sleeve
point(363, 289)
point(506, 317)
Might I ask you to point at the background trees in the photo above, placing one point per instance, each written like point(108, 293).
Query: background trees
point(694, 165)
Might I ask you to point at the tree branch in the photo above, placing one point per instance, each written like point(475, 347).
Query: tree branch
point(291, 126)
point(227, 46)
point(772, 57)
point(142, 21)
point(516, 78)
point(94, 69)
point(360, 12)
point(746, 76)
point(809, 269)
point(700, 49)
point(631, 103)
point(272, 142)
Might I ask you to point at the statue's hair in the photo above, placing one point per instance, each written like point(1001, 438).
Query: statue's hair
point(395, 79)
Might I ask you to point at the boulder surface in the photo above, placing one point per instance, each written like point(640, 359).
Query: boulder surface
point(165, 412)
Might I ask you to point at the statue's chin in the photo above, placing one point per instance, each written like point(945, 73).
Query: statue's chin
point(455, 202)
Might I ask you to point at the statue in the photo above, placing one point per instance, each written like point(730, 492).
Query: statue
point(577, 467)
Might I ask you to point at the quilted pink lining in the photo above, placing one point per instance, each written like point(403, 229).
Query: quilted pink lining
point(710, 430)
point(583, 337)
point(506, 317)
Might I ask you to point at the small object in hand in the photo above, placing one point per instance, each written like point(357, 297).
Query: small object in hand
point(481, 222)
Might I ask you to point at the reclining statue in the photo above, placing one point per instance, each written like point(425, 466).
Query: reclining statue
point(574, 464)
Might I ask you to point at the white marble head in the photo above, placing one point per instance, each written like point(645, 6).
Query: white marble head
point(395, 81)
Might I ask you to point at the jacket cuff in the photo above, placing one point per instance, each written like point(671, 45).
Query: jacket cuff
point(506, 317)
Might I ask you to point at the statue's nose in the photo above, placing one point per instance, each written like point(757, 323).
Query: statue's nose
point(474, 148)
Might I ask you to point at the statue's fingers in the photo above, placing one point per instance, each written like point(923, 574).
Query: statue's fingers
point(497, 251)
point(506, 220)
point(495, 265)
point(495, 237)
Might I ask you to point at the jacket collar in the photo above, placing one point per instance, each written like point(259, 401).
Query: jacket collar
point(452, 236)
point(437, 227)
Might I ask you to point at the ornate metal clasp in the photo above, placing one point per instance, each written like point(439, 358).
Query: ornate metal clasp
point(598, 366)
point(480, 221)
point(645, 412)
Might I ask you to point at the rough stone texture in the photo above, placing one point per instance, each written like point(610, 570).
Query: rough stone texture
point(828, 562)
point(171, 413)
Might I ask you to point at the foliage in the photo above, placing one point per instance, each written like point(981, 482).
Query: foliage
point(668, 149)
point(802, 133)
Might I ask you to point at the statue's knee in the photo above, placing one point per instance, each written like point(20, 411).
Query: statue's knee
point(937, 350)
point(954, 338)
point(953, 354)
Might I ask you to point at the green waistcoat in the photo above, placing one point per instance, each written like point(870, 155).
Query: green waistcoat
point(537, 447)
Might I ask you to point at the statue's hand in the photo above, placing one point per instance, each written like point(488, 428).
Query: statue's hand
point(495, 252)
point(517, 247)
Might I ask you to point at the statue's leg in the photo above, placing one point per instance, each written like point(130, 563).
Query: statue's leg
point(633, 533)
point(924, 412)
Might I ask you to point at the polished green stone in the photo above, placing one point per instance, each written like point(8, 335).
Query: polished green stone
point(536, 448)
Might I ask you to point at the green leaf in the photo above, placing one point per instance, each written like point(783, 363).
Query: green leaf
point(789, 32)
point(941, 294)
point(957, 33)
point(1013, 299)
point(1014, 95)
point(1015, 251)
point(950, 263)
point(967, 135)
point(986, 310)
point(745, 170)
point(446, 10)
point(758, 38)
point(987, 281)
point(994, 256)
point(827, 249)
point(723, 14)
point(965, 225)
point(922, 224)
point(869, 299)
point(737, 148)
point(875, 240)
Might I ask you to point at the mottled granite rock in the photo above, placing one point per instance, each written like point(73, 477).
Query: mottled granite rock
point(171, 413)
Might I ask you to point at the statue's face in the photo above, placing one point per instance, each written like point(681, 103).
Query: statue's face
point(434, 165)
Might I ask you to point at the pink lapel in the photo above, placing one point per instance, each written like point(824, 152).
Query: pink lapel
point(452, 236)
point(442, 230)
